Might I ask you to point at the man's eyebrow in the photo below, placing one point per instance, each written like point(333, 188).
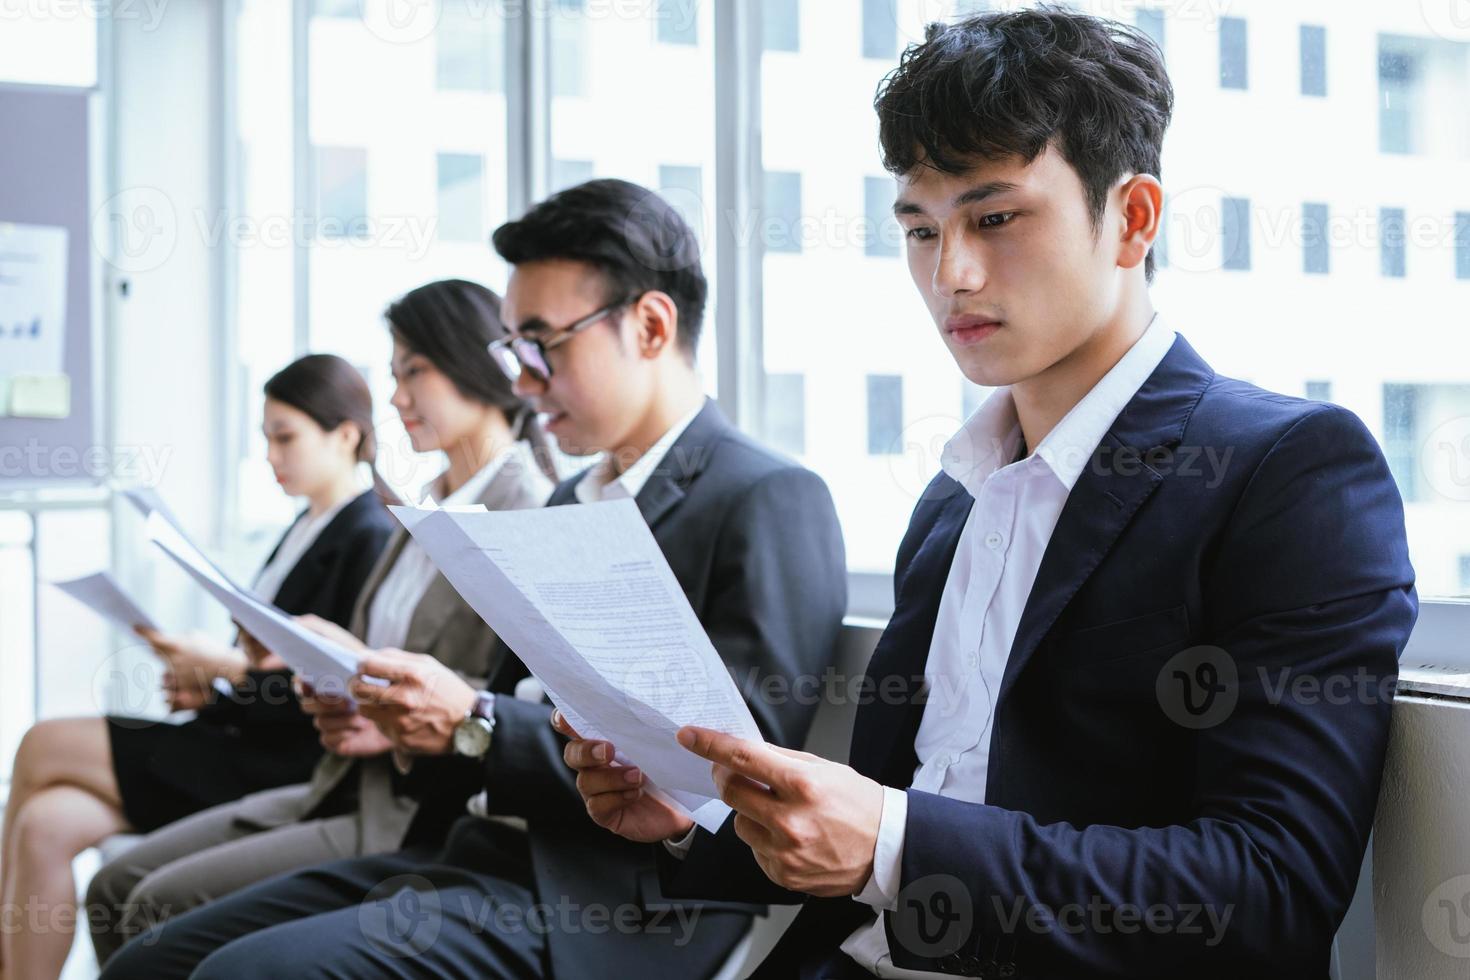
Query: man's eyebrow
point(972, 196)
point(531, 325)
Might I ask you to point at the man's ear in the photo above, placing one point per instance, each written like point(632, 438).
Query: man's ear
point(658, 323)
point(1142, 198)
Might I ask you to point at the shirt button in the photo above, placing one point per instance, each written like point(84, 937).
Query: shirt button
point(995, 540)
point(973, 661)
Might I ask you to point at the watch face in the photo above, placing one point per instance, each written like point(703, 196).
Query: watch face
point(472, 738)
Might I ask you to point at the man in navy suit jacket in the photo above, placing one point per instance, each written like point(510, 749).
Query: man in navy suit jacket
point(1130, 713)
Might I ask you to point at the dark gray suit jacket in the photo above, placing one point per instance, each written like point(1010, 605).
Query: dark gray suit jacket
point(753, 538)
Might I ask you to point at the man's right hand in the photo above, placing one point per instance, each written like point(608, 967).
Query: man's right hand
point(343, 731)
point(615, 796)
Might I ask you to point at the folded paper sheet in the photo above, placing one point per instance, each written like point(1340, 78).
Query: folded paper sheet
point(102, 594)
point(585, 598)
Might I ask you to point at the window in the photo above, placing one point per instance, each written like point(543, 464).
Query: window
point(1462, 245)
point(341, 192)
point(884, 233)
point(780, 25)
point(1465, 575)
point(336, 8)
point(1235, 233)
point(781, 228)
point(678, 21)
point(461, 197)
point(1316, 254)
point(1234, 63)
point(568, 47)
point(880, 28)
point(786, 412)
point(469, 47)
point(1420, 81)
point(1314, 60)
point(885, 414)
point(569, 173)
point(1151, 22)
point(1424, 435)
point(1392, 247)
point(1319, 391)
point(684, 189)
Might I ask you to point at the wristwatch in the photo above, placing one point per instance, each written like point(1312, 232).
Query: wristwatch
point(472, 736)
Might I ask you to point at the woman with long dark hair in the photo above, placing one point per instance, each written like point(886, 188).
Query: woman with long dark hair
point(77, 781)
point(453, 399)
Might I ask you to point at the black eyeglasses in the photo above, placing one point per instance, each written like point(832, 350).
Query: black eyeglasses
point(516, 353)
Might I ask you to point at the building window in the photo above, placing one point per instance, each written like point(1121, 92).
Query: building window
point(1400, 423)
point(569, 173)
point(1314, 60)
point(469, 48)
point(1319, 391)
point(678, 21)
point(461, 197)
point(883, 232)
point(1465, 575)
point(684, 189)
point(1392, 232)
point(568, 48)
point(1462, 245)
point(1151, 22)
point(1234, 60)
point(781, 25)
point(885, 414)
point(341, 192)
point(336, 8)
point(1397, 72)
point(1235, 233)
point(1316, 256)
point(880, 29)
point(786, 412)
point(781, 231)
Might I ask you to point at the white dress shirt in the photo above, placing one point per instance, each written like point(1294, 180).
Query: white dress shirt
point(399, 593)
point(1016, 507)
point(301, 536)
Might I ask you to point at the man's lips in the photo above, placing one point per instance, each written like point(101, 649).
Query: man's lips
point(970, 329)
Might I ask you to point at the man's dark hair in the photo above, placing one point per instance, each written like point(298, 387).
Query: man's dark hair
point(636, 239)
point(1009, 84)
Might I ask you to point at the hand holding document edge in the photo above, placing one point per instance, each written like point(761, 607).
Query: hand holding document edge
point(573, 591)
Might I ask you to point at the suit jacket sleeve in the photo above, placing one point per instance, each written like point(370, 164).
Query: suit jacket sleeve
point(1310, 583)
point(777, 593)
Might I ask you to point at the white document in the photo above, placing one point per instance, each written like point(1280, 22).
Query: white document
point(585, 598)
point(102, 594)
point(32, 299)
point(323, 664)
point(146, 500)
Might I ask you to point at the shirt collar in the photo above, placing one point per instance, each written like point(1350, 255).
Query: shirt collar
point(600, 484)
point(474, 488)
point(991, 437)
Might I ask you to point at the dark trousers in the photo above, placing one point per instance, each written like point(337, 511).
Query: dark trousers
point(415, 913)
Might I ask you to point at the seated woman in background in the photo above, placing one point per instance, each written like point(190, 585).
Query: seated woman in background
point(452, 398)
point(79, 780)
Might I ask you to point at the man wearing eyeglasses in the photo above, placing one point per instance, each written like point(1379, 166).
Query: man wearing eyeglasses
point(604, 305)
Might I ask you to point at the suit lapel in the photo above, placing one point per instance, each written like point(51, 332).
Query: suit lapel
point(883, 734)
point(684, 461)
point(1110, 491)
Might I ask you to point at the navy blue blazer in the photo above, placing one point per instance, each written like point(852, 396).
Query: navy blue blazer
point(1189, 736)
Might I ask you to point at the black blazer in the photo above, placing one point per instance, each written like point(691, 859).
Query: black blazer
point(1192, 721)
point(324, 582)
point(753, 538)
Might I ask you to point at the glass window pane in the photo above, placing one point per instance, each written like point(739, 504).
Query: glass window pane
point(1462, 245)
point(1392, 232)
point(781, 24)
point(880, 28)
point(1319, 391)
point(1234, 60)
point(469, 47)
point(1316, 254)
point(644, 112)
point(341, 192)
point(1314, 60)
point(678, 21)
point(786, 412)
point(461, 197)
point(885, 414)
point(1151, 22)
point(782, 225)
point(885, 234)
point(39, 46)
point(1235, 233)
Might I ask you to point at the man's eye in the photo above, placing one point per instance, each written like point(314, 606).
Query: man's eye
point(998, 219)
point(919, 234)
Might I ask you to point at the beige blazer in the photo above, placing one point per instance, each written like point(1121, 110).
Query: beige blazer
point(443, 626)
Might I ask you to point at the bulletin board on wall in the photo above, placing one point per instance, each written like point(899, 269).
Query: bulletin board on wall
point(48, 373)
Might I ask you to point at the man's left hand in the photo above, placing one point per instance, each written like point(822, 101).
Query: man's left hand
point(422, 704)
point(812, 823)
